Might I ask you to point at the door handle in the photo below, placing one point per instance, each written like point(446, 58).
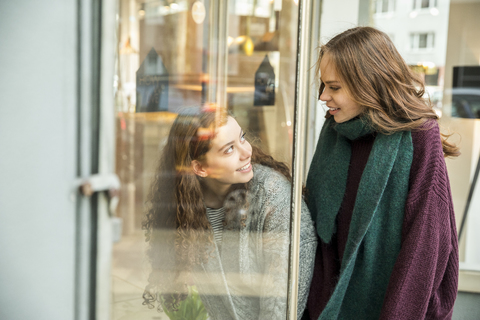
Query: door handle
point(109, 183)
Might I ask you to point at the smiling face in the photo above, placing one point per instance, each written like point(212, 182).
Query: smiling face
point(228, 161)
point(335, 94)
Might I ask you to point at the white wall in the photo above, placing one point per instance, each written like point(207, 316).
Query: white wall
point(337, 16)
point(38, 159)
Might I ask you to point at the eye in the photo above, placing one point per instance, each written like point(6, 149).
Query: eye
point(242, 138)
point(228, 150)
point(334, 88)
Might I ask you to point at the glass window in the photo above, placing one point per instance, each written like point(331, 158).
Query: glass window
point(422, 40)
point(241, 55)
point(424, 4)
point(214, 65)
point(384, 6)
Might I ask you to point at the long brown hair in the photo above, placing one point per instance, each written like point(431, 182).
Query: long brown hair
point(378, 79)
point(176, 223)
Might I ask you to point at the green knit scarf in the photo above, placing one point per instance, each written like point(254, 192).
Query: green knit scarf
point(374, 236)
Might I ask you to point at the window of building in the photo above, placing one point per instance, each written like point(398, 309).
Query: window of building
point(424, 4)
point(422, 40)
point(384, 6)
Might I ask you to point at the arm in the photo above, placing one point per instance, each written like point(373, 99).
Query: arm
point(308, 248)
point(423, 284)
point(276, 239)
point(275, 252)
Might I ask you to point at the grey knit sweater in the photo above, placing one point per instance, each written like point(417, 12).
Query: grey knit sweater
point(248, 277)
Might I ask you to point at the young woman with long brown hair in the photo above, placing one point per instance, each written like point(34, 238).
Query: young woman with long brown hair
point(378, 189)
point(219, 218)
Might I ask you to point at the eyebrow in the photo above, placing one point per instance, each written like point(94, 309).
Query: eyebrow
point(329, 82)
point(230, 142)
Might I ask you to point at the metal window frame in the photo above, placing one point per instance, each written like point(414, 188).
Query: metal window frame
point(303, 142)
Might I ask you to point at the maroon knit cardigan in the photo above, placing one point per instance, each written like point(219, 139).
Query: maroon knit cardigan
point(423, 284)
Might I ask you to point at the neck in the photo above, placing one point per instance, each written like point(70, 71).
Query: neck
point(214, 193)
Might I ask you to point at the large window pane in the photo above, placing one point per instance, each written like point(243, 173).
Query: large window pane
point(179, 55)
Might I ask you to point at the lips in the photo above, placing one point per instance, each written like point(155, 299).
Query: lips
point(333, 111)
point(245, 167)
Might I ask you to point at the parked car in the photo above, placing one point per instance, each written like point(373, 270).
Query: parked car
point(466, 103)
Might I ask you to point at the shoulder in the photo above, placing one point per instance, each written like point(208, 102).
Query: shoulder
point(269, 195)
point(427, 144)
point(428, 164)
point(427, 134)
point(429, 198)
point(269, 180)
point(264, 174)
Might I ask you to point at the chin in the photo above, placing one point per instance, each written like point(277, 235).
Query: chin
point(247, 178)
point(342, 120)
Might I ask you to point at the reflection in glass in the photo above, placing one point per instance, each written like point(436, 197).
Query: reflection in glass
point(218, 224)
point(271, 28)
point(175, 55)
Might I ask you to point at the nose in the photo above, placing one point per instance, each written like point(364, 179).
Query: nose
point(245, 151)
point(324, 96)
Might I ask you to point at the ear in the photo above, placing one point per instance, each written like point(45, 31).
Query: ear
point(199, 169)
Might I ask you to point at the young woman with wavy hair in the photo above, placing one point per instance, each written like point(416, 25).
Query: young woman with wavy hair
point(378, 189)
point(219, 219)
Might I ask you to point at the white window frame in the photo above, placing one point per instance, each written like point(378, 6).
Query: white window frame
point(378, 7)
point(415, 41)
point(417, 4)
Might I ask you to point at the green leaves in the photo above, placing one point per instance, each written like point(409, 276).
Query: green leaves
point(191, 308)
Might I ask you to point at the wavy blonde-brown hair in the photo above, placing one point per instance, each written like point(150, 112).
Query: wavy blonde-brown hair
point(176, 224)
point(377, 78)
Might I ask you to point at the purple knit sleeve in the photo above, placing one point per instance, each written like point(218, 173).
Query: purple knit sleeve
point(424, 281)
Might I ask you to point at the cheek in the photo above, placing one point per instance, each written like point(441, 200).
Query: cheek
point(352, 106)
point(219, 167)
point(358, 109)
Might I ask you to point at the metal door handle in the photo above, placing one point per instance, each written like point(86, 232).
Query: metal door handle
point(109, 183)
